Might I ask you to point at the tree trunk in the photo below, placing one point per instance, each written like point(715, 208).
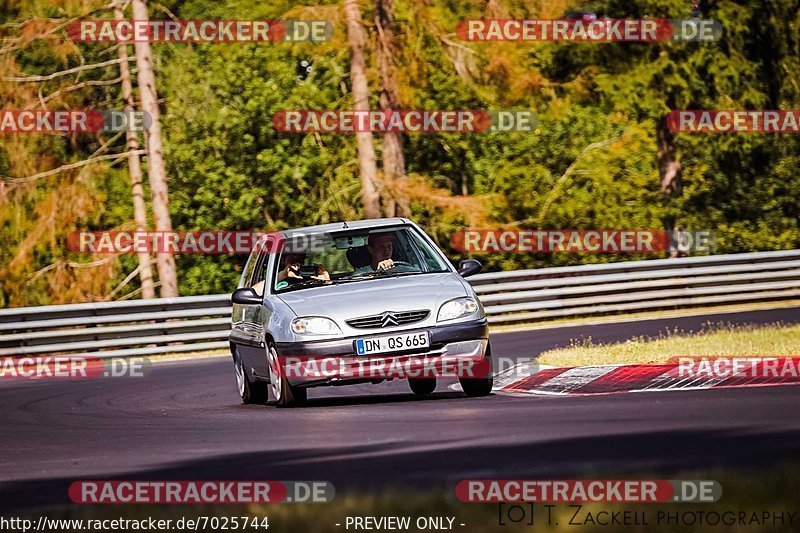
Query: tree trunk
point(669, 164)
point(669, 170)
point(134, 165)
point(358, 79)
point(155, 156)
point(394, 165)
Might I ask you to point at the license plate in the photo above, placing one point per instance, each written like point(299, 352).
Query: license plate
point(392, 343)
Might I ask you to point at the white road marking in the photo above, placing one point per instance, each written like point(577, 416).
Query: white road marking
point(575, 378)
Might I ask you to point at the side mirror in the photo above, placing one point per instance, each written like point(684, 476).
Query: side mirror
point(246, 296)
point(468, 267)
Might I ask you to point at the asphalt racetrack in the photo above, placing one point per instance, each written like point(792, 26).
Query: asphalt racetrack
point(184, 421)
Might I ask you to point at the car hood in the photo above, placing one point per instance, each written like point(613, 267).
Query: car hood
point(370, 297)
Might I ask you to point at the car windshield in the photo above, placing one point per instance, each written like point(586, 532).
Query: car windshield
point(313, 260)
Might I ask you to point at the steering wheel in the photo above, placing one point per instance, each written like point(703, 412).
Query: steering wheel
point(402, 264)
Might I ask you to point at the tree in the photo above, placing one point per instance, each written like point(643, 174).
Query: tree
point(360, 90)
point(394, 166)
point(155, 156)
point(134, 164)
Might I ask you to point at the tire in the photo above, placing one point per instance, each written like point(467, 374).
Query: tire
point(250, 392)
point(420, 386)
point(284, 393)
point(475, 387)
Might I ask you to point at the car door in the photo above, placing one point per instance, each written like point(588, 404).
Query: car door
point(238, 336)
point(247, 328)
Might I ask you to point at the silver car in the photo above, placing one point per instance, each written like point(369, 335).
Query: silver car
point(355, 302)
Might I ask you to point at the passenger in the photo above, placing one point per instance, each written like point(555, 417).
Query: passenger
point(291, 271)
point(289, 274)
point(320, 273)
point(291, 268)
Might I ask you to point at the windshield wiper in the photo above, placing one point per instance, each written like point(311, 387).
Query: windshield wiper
point(360, 277)
point(386, 274)
point(409, 273)
point(304, 283)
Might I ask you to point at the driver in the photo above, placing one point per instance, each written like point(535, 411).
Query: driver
point(380, 247)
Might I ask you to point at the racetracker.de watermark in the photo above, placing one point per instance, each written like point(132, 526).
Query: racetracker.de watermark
point(588, 490)
point(220, 31)
point(208, 242)
point(736, 367)
point(404, 121)
point(581, 241)
point(727, 121)
point(598, 31)
point(72, 367)
point(301, 368)
point(200, 492)
point(86, 121)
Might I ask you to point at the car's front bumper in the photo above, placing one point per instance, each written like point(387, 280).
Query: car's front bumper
point(455, 349)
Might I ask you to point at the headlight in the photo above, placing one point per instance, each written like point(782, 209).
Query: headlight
point(315, 325)
point(460, 307)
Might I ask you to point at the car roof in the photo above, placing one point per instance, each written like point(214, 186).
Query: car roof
point(371, 223)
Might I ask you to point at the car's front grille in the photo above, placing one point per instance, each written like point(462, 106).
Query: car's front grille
point(388, 319)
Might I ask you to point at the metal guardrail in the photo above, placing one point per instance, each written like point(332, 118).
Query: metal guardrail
point(202, 323)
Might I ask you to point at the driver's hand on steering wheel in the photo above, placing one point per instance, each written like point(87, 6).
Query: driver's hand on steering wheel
point(386, 264)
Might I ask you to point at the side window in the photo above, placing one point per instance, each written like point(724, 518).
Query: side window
point(249, 268)
point(254, 270)
point(260, 273)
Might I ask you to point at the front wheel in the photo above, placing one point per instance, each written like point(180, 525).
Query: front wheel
point(481, 386)
point(285, 394)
